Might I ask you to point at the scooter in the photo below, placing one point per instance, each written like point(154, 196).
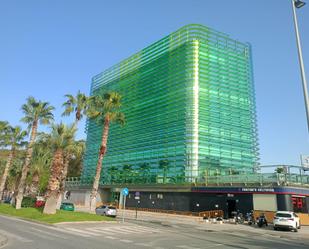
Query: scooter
point(250, 219)
point(262, 220)
point(239, 219)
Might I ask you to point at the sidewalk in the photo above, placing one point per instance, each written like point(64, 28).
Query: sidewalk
point(3, 240)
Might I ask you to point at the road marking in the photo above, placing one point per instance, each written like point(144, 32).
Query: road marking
point(101, 231)
point(215, 245)
point(130, 230)
point(82, 233)
point(110, 237)
point(39, 235)
point(91, 233)
point(188, 247)
point(144, 244)
point(126, 241)
point(118, 230)
point(12, 235)
point(140, 229)
point(47, 233)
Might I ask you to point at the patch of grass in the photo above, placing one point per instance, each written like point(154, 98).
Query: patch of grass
point(61, 215)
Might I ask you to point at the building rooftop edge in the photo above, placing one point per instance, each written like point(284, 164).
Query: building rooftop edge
point(187, 27)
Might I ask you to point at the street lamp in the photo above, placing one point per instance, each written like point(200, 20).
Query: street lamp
point(298, 4)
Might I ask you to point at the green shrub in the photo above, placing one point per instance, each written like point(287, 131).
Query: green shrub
point(28, 202)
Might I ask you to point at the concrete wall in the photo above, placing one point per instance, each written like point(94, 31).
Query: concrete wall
point(82, 197)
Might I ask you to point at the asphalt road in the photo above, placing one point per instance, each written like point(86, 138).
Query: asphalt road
point(27, 235)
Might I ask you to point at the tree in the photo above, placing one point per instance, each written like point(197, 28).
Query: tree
point(76, 162)
point(75, 150)
point(4, 128)
point(279, 170)
point(40, 164)
point(14, 138)
point(113, 172)
point(35, 112)
point(164, 165)
point(61, 139)
point(105, 110)
point(127, 170)
point(15, 174)
point(79, 105)
point(145, 169)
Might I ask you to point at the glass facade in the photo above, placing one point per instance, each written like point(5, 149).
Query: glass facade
point(190, 111)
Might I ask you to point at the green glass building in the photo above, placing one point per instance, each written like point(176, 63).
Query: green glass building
point(190, 111)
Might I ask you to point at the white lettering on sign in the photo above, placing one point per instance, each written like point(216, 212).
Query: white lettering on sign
point(258, 190)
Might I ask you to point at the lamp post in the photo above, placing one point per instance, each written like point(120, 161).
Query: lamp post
point(298, 4)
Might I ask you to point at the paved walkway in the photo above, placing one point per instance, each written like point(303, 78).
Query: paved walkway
point(3, 240)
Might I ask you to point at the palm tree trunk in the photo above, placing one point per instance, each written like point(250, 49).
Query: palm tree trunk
point(94, 192)
point(66, 162)
point(26, 167)
point(17, 179)
point(6, 171)
point(66, 165)
point(34, 186)
point(54, 183)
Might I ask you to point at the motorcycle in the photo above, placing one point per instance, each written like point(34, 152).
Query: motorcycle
point(239, 219)
point(250, 219)
point(262, 221)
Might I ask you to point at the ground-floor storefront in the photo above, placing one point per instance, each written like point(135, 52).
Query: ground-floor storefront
point(199, 199)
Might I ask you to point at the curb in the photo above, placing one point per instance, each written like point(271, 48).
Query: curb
point(85, 222)
point(3, 240)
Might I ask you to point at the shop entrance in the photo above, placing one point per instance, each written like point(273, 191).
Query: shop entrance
point(231, 207)
point(114, 198)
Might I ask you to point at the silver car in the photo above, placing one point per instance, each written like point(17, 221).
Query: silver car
point(106, 210)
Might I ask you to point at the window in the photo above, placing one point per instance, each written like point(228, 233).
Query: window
point(159, 196)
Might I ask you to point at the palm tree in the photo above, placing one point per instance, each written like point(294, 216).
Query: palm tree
point(145, 168)
point(35, 112)
point(104, 109)
point(127, 170)
point(61, 138)
point(76, 162)
point(164, 165)
point(76, 149)
point(78, 105)
point(40, 163)
point(15, 139)
point(15, 175)
point(4, 128)
point(113, 174)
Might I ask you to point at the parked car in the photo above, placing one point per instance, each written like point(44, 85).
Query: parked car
point(106, 210)
point(40, 202)
point(7, 200)
point(67, 206)
point(286, 220)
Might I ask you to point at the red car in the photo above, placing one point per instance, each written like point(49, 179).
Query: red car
point(40, 202)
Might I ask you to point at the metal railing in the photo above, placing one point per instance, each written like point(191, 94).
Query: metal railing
point(262, 179)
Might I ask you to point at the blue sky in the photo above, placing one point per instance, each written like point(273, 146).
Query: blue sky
point(50, 48)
